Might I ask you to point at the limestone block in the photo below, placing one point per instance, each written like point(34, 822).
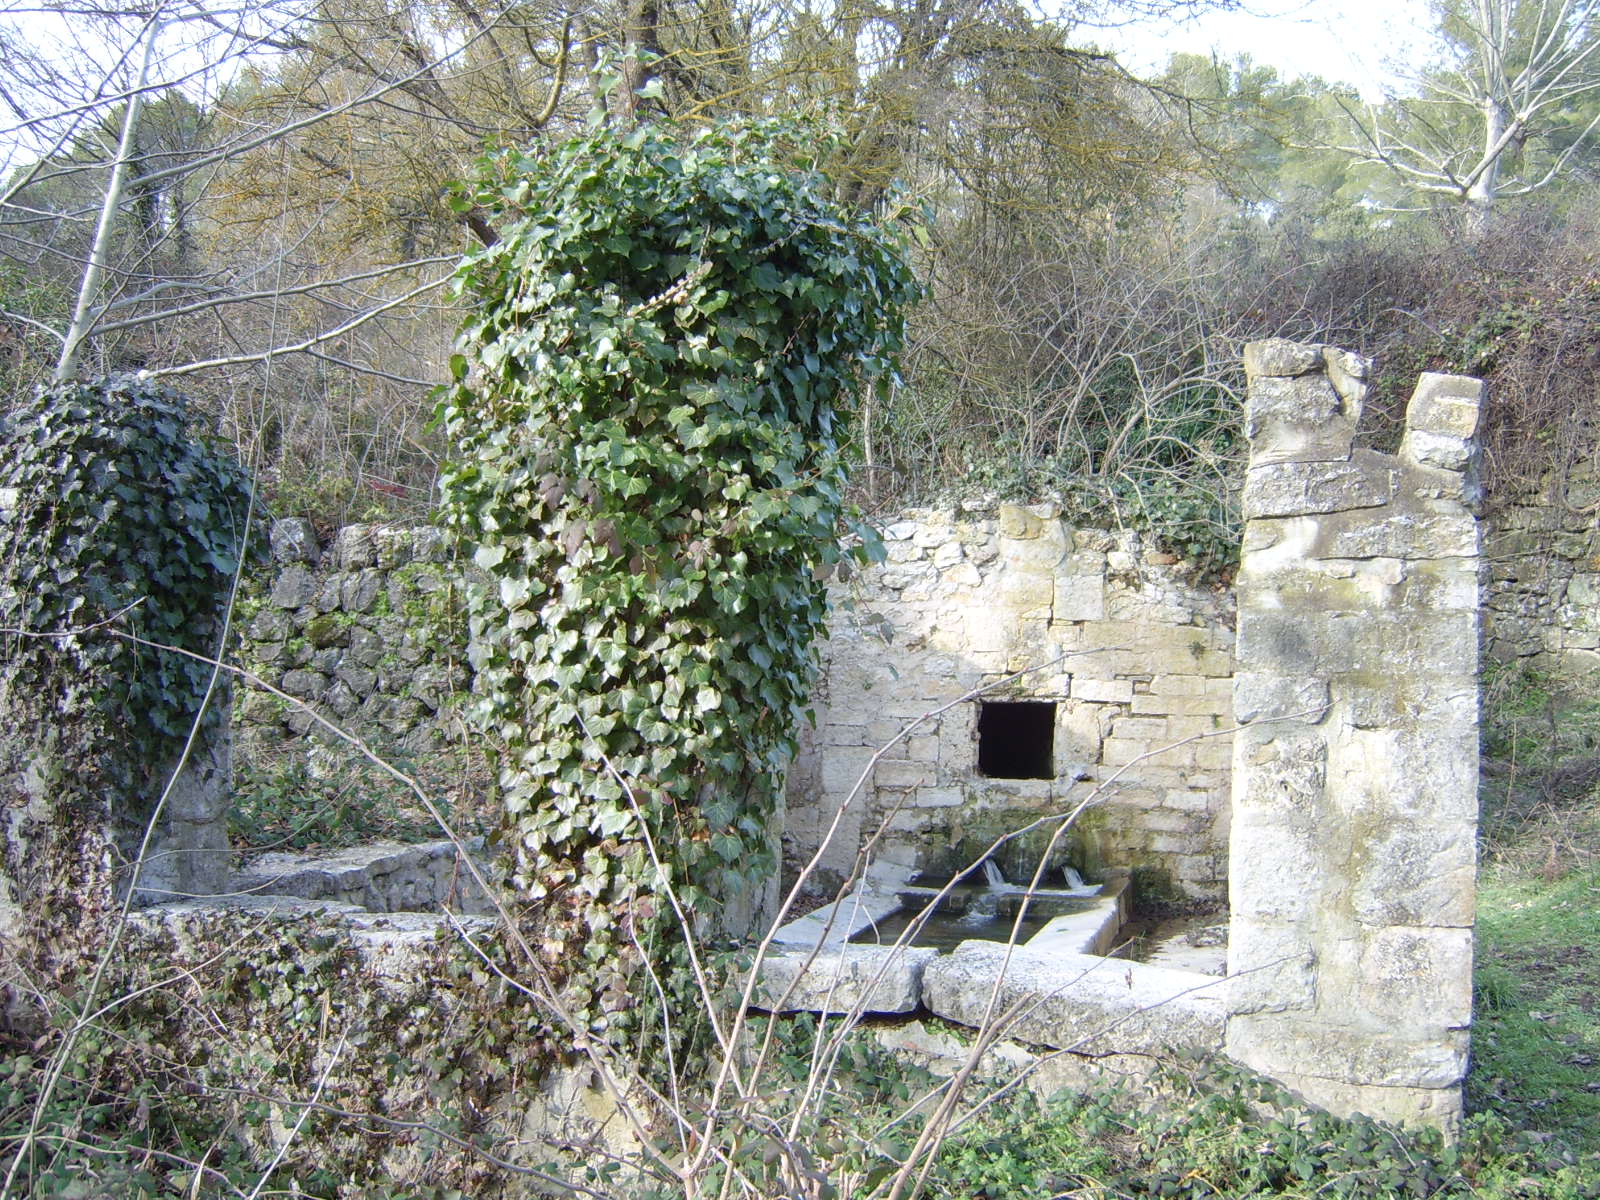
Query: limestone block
point(1436, 1108)
point(295, 587)
point(1079, 598)
point(270, 625)
point(354, 547)
point(1409, 874)
point(1443, 529)
point(841, 770)
point(1017, 523)
point(1300, 420)
point(327, 597)
point(947, 555)
point(293, 540)
point(1279, 357)
point(1102, 691)
point(901, 531)
point(358, 679)
point(1292, 489)
point(939, 797)
point(963, 574)
point(1442, 421)
point(1336, 1049)
point(1078, 1001)
point(341, 699)
point(1261, 695)
point(366, 647)
point(393, 547)
point(359, 591)
point(1273, 871)
point(1348, 373)
point(1271, 963)
point(883, 979)
point(307, 685)
point(1281, 780)
point(1416, 976)
point(432, 545)
point(903, 774)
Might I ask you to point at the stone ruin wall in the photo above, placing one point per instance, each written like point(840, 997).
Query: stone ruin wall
point(366, 630)
point(1135, 659)
point(1542, 599)
point(1356, 763)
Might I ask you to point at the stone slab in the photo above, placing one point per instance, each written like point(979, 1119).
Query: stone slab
point(1077, 1001)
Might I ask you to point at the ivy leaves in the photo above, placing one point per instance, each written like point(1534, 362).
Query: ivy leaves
point(116, 510)
point(645, 415)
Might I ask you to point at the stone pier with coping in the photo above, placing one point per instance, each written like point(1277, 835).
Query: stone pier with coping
point(1354, 815)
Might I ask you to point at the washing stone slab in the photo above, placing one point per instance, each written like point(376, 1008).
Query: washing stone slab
point(843, 979)
point(1078, 1001)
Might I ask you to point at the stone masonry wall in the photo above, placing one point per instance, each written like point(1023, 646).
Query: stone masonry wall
point(1542, 605)
point(1134, 659)
point(367, 630)
point(1355, 765)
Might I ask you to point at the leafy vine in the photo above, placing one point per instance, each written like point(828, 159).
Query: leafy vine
point(112, 512)
point(647, 414)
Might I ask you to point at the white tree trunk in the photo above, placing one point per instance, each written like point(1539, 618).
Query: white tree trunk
point(89, 288)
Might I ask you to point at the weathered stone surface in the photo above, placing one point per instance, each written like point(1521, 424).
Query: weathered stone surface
point(354, 546)
point(1301, 419)
point(1078, 1001)
point(271, 625)
point(1269, 696)
point(1280, 489)
point(1279, 357)
point(294, 587)
point(383, 877)
point(293, 540)
point(1442, 421)
point(841, 979)
point(1371, 1057)
point(1351, 845)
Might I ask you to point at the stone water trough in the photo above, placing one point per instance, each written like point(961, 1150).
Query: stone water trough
point(1054, 986)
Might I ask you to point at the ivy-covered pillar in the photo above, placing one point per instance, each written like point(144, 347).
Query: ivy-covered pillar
point(647, 421)
point(120, 533)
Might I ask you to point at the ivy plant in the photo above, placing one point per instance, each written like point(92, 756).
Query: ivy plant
point(115, 518)
point(646, 415)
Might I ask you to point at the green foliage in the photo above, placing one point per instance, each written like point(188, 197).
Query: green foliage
point(219, 1039)
point(1536, 1034)
point(121, 520)
point(1225, 1132)
point(283, 806)
point(120, 513)
point(646, 426)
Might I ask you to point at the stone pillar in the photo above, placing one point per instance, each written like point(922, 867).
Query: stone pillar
point(1355, 770)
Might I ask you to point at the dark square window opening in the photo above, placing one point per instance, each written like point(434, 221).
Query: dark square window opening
point(1016, 739)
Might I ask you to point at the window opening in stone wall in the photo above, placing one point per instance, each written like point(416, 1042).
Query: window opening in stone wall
point(1016, 739)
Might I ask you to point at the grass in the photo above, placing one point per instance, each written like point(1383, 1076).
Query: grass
point(1536, 1037)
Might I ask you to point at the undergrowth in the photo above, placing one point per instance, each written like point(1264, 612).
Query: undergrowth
point(280, 802)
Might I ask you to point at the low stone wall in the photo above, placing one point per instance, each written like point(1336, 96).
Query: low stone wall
point(367, 631)
point(1131, 665)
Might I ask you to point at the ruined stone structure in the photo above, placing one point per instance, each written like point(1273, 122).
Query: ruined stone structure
point(1056, 663)
point(1355, 769)
point(1003, 666)
point(366, 631)
point(1542, 602)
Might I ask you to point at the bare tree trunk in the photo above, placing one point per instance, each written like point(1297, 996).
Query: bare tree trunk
point(1481, 194)
point(89, 287)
